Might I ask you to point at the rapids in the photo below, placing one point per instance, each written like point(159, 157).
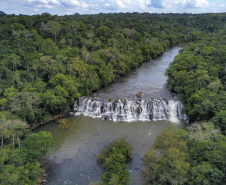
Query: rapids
point(134, 109)
point(110, 113)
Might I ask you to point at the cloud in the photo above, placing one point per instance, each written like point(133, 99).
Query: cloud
point(70, 2)
point(45, 6)
point(196, 4)
point(182, 4)
point(62, 7)
point(47, 2)
point(125, 5)
point(223, 5)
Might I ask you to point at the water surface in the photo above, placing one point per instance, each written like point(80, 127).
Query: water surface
point(149, 78)
point(72, 160)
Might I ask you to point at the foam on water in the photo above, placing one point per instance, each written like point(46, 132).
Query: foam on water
point(130, 109)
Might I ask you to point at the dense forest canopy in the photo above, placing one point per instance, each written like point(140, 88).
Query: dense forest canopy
point(46, 62)
point(49, 61)
point(21, 151)
point(195, 156)
point(198, 75)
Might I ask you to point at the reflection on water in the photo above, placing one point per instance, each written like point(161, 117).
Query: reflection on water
point(72, 160)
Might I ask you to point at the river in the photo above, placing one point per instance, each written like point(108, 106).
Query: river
point(98, 121)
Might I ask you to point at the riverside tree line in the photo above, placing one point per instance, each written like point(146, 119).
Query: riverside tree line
point(46, 62)
point(193, 157)
point(49, 61)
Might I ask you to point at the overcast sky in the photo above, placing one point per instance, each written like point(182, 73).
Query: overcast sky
point(63, 7)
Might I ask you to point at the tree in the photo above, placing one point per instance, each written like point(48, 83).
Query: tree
point(103, 33)
point(36, 145)
point(20, 165)
point(46, 66)
point(16, 129)
point(52, 27)
point(166, 161)
point(207, 154)
point(4, 131)
point(113, 158)
point(63, 123)
point(220, 120)
point(26, 105)
point(205, 173)
point(65, 88)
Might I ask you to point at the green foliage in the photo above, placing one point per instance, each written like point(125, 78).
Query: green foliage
point(20, 152)
point(113, 158)
point(207, 155)
point(181, 157)
point(36, 145)
point(202, 130)
point(205, 173)
point(103, 33)
point(220, 120)
point(198, 76)
point(166, 161)
point(46, 62)
point(26, 106)
point(56, 59)
point(63, 123)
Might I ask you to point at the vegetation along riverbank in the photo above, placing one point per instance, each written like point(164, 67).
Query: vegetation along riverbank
point(46, 62)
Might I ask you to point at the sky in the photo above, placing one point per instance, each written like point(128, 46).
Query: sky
point(69, 7)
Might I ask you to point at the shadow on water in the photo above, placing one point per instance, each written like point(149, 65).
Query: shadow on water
point(72, 160)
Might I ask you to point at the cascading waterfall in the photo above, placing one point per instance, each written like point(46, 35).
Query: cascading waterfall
point(130, 109)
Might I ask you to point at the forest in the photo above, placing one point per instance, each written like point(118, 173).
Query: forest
point(198, 75)
point(195, 156)
point(48, 61)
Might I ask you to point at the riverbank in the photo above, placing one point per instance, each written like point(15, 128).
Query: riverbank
point(118, 78)
point(72, 160)
point(43, 175)
point(52, 118)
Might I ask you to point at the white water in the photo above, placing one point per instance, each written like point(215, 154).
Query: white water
point(72, 160)
point(130, 109)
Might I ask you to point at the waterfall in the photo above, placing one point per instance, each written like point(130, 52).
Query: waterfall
point(130, 109)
